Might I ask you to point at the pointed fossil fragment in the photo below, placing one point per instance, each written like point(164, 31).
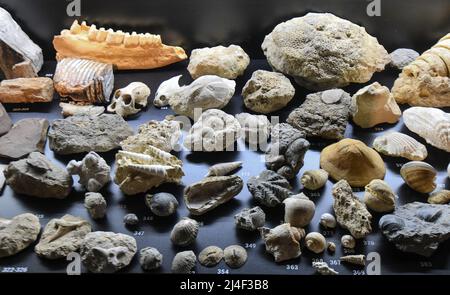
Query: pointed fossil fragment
point(184, 262)
point(419, 176)
point(150, 258)
point(223, 169)
point(439, 197)
point(379, 196)
point(283, 241)
point(95, 204)
point(18, 233)
point(184, 232)
point(162, 204)
point(298, 210)
point(397, 144)
point(314, 179)
point(269, 188)
point(71, 109)
point(93, 171)
point(5, 121)
point(235, 256)
point(250, 219)
point(130, 100)
point(210, 256)
point(323, 268)
point(354, 259)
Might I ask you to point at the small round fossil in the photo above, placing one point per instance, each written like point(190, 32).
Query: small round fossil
point(348, 242)
point(328, 221)
point(235, 256)
point(331, 247)
point(184, 232)
point(162, 204)
point(315, 242)
point(150, 258)
point(210, 256)
point(184, 262)
point(131, 219)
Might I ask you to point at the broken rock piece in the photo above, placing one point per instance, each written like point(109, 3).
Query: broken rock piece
point(18, 233)
point(69, 109)
point(26, 90)
point(5, 121)
point(402, 57)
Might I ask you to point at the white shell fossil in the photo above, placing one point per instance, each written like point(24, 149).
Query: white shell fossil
point(210, 256)
point(328, 221)
point(315, 242)
point(255, 129)
point(162, 204)
point(130, 100)
point(250, 219)
point(354, 259)
point(283, 241)
point(348, 242)
point(223, 169)
point(298, 210)
point(184, 262)
point(439, 197)
point(419, 176)
point(323, 268)
point(235, 256)
point(379, 196)
point(93, 170)
point(269, 188)
point(397, 144)
point(314, 179)
point(184, 232)
point(432, 124)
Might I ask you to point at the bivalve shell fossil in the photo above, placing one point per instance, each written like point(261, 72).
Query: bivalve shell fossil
point(419, 176)
point(184, 262)
point(315, 242)
point(397, 144)
point(314, 179)
point(184, 232)
point(440, 197)
point(379, 196)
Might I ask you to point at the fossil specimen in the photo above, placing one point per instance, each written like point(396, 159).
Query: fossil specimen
point(162, 204)
point(431, 124)
point(235, 256)
point(184, 232)
point(215, 131)
point(130, 100)
point(269, 188)
point(207, 194)
point(150, 258)
point(18, 233)
point(250, 219)
point(350, 212)
point(5, 121)
point(184, 262)
point(139, 172)
point(226, 62)
point(439, 197)
point(79, 134)
point(93, 171)
point(331, 247)
point(402, 57)
point(124, 50)
point(314, 179)
point(166, 90)
point(323, 51)
point(37, 176)
point(95, 204)
point(160, 134)
point(328, 221)
point(323, 268)
point(397, 144)
point(287, 150)
point(26, 136)
point(298, 210)
point(267, 92)
point(323, 114)
point(62, 236)
point(131, 220)
point(348, 242)
point(283, 241)
point(2, 177)
point(315, 242)
point(72, 109)
point(425, 81)
point(255, 129)
point(210, 256)
point(373, 105)
point(353, 161)
point(20, 57)
point(26, 90)
point(419, 176)
point(107, 252)
point(379, 196)
point(223, 169)
point(354, 259)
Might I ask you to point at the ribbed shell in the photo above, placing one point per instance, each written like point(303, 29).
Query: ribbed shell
point(420, 176)
point(397, 144)
point(184, 232)
point(184, 262)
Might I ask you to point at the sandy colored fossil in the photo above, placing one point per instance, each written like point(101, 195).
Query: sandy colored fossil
point(298, 210)
point(130, 100)
point(283, 241)
point(439, 197)
point(379, 196)
point(93, 171)
point(18, 233)
point(420, 176)
point(26, 90)
point(69, 109)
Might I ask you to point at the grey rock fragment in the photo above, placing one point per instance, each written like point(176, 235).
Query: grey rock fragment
point(402, 57)
point(269, 188)
point(250, 219)
point(150, 258)
point(18, 233)
point(5, 121)
point(93, 171)
point(95, 203)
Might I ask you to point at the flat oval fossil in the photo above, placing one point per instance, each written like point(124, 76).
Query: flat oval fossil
point(397, 144)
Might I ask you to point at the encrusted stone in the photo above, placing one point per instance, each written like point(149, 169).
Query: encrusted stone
point(95, 204)
point(250, 219)
point(18, 233)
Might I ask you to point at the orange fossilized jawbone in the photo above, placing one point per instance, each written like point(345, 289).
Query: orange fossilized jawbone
point(124, 50)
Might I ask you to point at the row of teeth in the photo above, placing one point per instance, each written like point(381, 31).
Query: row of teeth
point(112, 37)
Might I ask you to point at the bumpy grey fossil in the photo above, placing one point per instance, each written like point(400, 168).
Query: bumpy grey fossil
point(235, 256)
point(5, 121)
point(18, 233)
point(323, 268)
point(323, 114)
point(255, 129)
point(223, 169)
point(62, 236)
point(283, 241)
point(417, 227)
point(250, 219)
point(162, 204)
point(185, 232)
point(131, 219)
point(93, 171)
point(184, 262)
point(107, 252)
point(79, 134)
point(269, 188)
point(37, 176)
point(402, 57)
point(210, 256)
point(287, 150)
point(95, 204)
point(150, 258)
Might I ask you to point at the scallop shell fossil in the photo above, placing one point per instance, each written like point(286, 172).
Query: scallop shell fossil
point(269, 188)
point(298, 210)
point(223, 169)
point(314, 179)
point(283, 241)
point(184, 232)
point(419, 176)
point(315, 242)
point(397, 144)
point(440, 197)
point(235, 256)
point(379, 196)
point(184, 262)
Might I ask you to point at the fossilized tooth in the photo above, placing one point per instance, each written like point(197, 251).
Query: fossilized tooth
point(96, 205)
point(255, 129)
point(21, 56)
point(235, 256)
point(93, 170)
point(283, 241)
point(84, 81)
point(162, 204)
point(323, 268)
point(353, 161)
point(431, 124)
point(440, 197)
point(397, 144)
point(184, 262)
point(26, 90)
point(131, 220)
point(223, 169)
point(298, 210)
point(150, 258)
point(184, 232)
point(419, 176)
point(328, 221)
point(18, 233)
point(354, 259)
point(314, 179)
point(250, 219)
point(205, 195)
point(379, 196)
point(351, 213)
point(210, 256)
point(269, 188)
point(124, 50)
point(69, 109)
point(315, 242)
point(130, 100)
point(348, 242)
point(425, 81)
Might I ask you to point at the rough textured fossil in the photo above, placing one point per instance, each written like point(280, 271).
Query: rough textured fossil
point(283, 241)
point(287, 150)
point(353, 161)
point(26, 136)
point(226, 62)
point(348, 242)
point(255, 129)
point(402, 57)
point(267, 92)
point(184, 262)
point(350, 212)
point(250, 219)
point(323, 268)
point(150, 258)
point(210, 256)
point(314, 179)
point(419, 176)
point(354, 259)
point(298, 210)
point(162, 204)
point(18, 233)
point(70, 109)
point(185, 232)
point(95, 204)
point(5, 121)
point(235, 256)
point(139, 172)
point(315, 242)
point(79, 134)
point(425, 81)
point(131, 220)
point(20, 57)
point(223, 169)
point(432, 124)
point(328, 221)
point(373, 105)
point(439, 197)
point(62, 236)
point(93, 84)
point(215, 131)
point(93, 171)
point(269, 188)
point(323, 114)
point(379, 196)
point(37, 176)
point(323, 51)
point(107, 252)
point(26, 90)
point(397, 144)
point(205, 195)
point(124, 50)
point(130, 100)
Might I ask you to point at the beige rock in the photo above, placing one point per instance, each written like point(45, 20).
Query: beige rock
point(69, 109)
point(283, 241)
point(26, 90)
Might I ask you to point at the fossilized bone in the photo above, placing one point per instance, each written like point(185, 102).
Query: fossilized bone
point(64, 227)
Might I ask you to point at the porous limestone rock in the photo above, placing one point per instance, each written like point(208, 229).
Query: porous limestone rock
point(18, 233)
point(5, 121)
point(93, 170)
point(402, 57)
point(26, 90)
